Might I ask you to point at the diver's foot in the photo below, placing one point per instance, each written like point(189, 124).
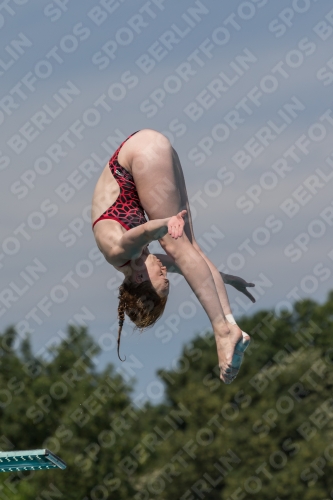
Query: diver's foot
point(230, 348)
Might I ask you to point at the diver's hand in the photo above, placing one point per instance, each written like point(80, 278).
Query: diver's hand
point(239, 284)
point(176, 224)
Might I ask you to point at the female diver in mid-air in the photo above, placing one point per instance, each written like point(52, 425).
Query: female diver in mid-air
point(145, 175)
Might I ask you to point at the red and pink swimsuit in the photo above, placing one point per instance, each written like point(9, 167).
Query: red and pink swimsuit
point(127, 209)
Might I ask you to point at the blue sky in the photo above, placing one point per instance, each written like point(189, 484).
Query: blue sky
point(98, 53)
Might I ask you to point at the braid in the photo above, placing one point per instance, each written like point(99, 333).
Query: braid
point(121, 317)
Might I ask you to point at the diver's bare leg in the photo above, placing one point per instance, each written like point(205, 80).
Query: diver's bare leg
point(159, 180)
point(162, 190)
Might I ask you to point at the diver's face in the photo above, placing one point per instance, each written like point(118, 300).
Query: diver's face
point(157, 274)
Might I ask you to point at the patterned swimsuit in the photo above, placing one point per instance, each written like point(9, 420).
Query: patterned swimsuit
point(127, 209)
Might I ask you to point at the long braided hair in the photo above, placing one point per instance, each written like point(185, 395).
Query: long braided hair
point(121, 318)
point(142, 305)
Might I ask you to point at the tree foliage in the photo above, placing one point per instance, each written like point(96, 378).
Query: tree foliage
point(268, 435)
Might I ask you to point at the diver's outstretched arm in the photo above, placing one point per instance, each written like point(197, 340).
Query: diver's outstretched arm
point(133, 241)
point(235, 281)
